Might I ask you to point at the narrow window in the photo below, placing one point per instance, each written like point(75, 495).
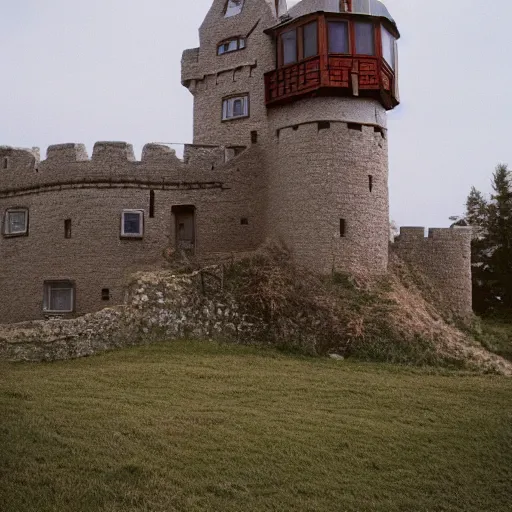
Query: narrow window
point(105, 294)
point(67, 228)
point(233, 7)
point(59, 297)
point(338, 37)
point(289, 41)
point(324, 125)
point(132, 224)
point(235, 107)
point(388, 47)
point(16, 222)
point(151, 204)
point(310, 35)
point(343, 228)
point(5, 163)
point(365, 39)
point(254, 137)
point(244, 221)
point(355, 126)
point(370, 182)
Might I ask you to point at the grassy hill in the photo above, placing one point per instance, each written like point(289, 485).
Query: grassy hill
point(200, 426)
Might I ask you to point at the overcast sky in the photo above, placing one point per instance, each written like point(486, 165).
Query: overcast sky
point(88, 70)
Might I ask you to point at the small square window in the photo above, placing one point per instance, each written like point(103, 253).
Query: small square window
point(105, 294)
point(132, 224)
point(16, 222)
point(59, 297)
point(236, 107)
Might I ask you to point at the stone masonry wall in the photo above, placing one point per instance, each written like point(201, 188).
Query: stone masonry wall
point(93, 193)
point(159, 306)
point(444, 257)
point(320, 174)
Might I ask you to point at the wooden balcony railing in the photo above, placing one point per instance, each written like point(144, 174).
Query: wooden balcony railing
point(340, 76)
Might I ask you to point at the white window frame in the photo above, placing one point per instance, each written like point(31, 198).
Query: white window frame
point(140, 233)
point(228, 107)
point(233, 7)
point(7, 229)
point(223, 47)
point(62, 284)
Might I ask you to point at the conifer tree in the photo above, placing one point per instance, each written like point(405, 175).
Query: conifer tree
point(499, 237)
point(491, 248)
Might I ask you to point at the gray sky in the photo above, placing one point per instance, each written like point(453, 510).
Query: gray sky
point(82, 71)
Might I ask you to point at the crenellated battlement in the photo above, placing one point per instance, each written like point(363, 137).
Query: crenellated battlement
point(69, 164)
point(417, 234)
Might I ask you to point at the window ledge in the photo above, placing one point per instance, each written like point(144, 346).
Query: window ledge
point(14, 235)
point(237, 118)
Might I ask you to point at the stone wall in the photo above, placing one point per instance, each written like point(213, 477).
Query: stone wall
point(93, 193)
point(445, 258)
point(159, 306)
point(326, 172)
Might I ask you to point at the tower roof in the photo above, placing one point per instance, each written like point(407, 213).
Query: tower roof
point(369, 7)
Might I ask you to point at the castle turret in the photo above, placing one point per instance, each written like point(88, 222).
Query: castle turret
point(327, 99)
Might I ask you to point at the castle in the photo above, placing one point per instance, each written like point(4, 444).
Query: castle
point(290, 143)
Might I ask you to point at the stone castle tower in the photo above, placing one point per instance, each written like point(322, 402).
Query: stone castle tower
point(290, 143)
point(312, 86)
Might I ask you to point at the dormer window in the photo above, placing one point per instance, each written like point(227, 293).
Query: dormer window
point(233, 7)
point(231, 45)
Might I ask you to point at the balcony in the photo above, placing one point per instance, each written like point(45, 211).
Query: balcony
point(334, 55)
point(337, 76)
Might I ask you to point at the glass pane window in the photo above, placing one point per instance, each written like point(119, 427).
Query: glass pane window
point(289, 40)
point(310, 34)
point(16, 222)
point(233, 7)
point(388, 47)
point(132, 224)
point(235, 107)
point(232, 45)
point(338, 37)
point(365, 39)
point(58, 296)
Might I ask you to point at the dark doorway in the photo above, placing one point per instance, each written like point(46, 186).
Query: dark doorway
point(185, 227)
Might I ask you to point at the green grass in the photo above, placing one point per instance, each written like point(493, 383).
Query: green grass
point(496, 336)
point(207, 427)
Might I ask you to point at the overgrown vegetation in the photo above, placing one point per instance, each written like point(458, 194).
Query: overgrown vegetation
point(200, 426)
point(391, 319)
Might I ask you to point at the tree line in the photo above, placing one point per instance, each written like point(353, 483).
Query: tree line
point(491, 248)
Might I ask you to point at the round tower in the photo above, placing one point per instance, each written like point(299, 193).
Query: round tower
point(327, 167)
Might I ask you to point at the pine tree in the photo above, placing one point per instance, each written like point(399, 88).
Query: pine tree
point(499, 238)
point(476, 216)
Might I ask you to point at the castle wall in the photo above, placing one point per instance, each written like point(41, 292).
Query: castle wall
point(444, 257)
point(93, 193)
point(320, 179)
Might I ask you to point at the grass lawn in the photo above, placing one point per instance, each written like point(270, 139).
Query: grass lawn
point(207, 427)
